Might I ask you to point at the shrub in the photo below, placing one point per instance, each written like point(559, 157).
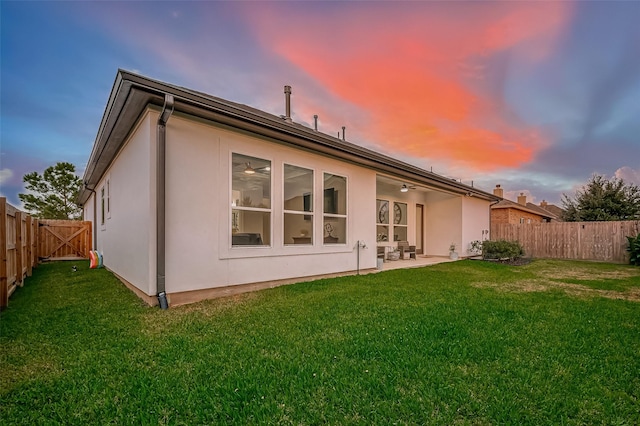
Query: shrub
point(634, 250)
point(501, 249)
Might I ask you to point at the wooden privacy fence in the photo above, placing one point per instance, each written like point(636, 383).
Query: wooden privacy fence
point(601, 241)
point(18, 236)
point(24, 241)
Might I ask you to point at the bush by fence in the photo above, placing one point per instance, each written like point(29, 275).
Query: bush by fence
point(501, 249)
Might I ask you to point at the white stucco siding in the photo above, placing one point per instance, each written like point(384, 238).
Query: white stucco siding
point(443, 223)
point(192, 204)
point(199, 252)
point(127, 237)
point(475, 213)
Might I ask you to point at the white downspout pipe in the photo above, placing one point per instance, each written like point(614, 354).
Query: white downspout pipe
point(167, 110)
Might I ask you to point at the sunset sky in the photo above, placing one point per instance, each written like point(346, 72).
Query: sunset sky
point(535, 96)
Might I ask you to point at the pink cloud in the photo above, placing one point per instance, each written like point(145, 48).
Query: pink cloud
point(412, 66)
point(629, 175)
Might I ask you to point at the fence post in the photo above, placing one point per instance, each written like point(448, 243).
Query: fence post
point(4, 290)
point(29, 241)
point(19, 257)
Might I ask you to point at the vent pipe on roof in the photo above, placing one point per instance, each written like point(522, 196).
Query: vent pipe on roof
point(287, 98)
point(315, 122)
point(343, 129)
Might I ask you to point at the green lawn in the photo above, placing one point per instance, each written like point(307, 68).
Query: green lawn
point(459, 343)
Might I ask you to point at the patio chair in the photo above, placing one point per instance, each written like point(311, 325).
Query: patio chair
point(406, 250)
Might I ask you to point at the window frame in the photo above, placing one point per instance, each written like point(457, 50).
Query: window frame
point(382, 227)
point(102, 208)
point(233, 207)
point(344, 216)
point(109, 197)
point(405, 226)
point(308, 215)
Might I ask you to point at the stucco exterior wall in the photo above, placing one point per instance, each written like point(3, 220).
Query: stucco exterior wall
point(127, 237)
point(443, 223)
point(475, 225)
point(199, 252)
point(198, 216)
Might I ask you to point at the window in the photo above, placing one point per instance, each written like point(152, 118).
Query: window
point(399, 215)
point(102, 206)
point(298, 205)
point(108, 199)
point(334, 209)
point(250, 201)
point(382, 220)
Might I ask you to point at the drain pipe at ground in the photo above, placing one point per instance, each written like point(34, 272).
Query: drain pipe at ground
point(167, 110)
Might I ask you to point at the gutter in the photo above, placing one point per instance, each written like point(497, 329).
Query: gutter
point(167, 110)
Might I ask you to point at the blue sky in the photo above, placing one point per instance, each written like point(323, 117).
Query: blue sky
point(535, 96)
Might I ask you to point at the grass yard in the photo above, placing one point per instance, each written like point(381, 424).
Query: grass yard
point(552, 342)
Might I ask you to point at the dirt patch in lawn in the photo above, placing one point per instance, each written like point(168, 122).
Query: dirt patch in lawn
point(588, 274)
point(577, 290)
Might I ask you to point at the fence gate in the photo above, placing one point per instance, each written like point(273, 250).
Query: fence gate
point(64, 239)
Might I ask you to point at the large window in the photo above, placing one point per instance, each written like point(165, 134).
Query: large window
point(399, 216)
point(382, 220)
point(335, 209)
point(298, 205)
point(250, 201)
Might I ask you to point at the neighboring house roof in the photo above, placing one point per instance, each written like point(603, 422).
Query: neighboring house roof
point(132, 93)
point(554, 210)
point(529, 208)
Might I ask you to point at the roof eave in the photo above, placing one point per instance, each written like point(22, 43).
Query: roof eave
point(132, 93)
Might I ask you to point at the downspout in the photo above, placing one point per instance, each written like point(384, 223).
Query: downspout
point(167, 110)
point(95, 216)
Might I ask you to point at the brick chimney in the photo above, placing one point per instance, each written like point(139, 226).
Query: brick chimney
point(522, 199)
point(543, 203)
point(498, 192)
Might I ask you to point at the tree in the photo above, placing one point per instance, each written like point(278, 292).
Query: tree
point(53, 194)
point(602, 199)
